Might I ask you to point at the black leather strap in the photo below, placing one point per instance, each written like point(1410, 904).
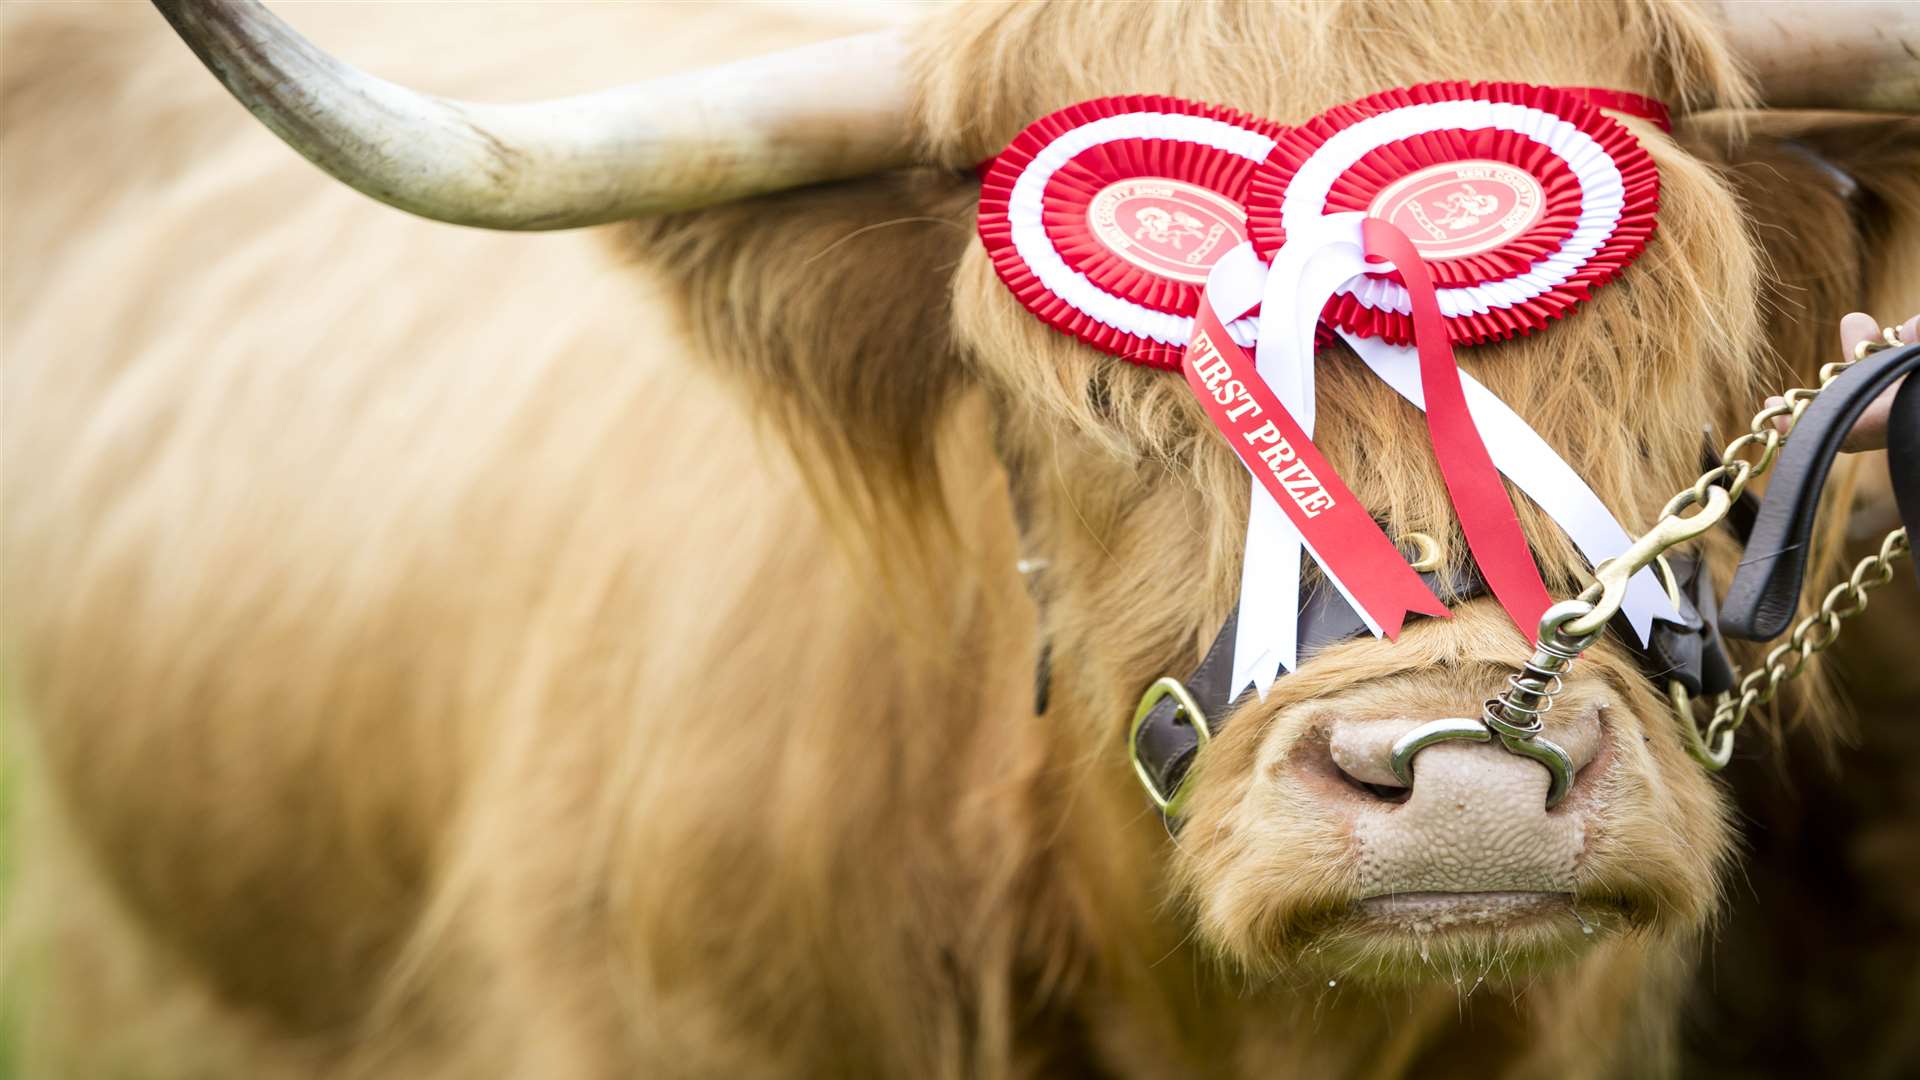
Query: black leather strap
point(1166, 741)
point(1690, 651)
point(1903, 458)
point(1043, 678)
point(1766, 589)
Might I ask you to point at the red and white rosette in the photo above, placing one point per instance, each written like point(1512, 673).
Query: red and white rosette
point(1105, 217)
point(1521, 200)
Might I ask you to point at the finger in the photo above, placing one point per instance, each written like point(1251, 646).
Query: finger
point(1870, 431)
point(1854, 329)
point(1784, 420)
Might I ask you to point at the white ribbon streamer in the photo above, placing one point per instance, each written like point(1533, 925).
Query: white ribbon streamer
point(1307, 270)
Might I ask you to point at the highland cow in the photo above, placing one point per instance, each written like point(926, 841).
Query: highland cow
point(438, 653)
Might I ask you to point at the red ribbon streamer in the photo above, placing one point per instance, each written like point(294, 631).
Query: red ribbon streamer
point(1479, 498)
point(1343, 538)
point(1632, 104)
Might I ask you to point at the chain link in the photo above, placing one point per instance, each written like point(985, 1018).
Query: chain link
point(1743, 460)
point(1746, 458)
point(1714, 746)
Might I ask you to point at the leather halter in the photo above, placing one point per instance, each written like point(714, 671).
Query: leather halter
point(1167, 735)
point(1170, 727)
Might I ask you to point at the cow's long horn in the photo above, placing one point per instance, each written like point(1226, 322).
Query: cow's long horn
point(823, 112)
point(1858, 55)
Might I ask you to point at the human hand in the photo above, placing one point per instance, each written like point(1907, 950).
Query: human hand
point(1870, 431)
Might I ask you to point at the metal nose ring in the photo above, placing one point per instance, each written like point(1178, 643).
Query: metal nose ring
point(1545, 751)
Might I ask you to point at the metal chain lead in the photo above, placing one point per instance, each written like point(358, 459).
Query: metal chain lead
point(1570, 627)
point(1714, 746)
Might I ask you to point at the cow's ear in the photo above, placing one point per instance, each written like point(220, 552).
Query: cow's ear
point(829, 307)
point(1834, 200)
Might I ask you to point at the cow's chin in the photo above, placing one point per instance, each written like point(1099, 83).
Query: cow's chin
point(1467, 940)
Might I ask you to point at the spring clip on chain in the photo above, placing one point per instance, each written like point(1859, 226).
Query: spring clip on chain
point(1517, 712)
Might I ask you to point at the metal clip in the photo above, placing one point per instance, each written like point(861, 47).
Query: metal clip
point(1169, 802)
point(1610, 587)
point(1713, 748)
point(1547, 752)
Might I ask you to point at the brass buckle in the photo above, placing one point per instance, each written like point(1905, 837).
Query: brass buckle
point(1164, 687)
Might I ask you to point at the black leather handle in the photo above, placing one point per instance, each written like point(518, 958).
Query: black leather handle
point(1766, 588)
point(1903, 457)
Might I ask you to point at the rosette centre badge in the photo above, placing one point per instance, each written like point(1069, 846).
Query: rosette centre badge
point(1461, 208)
point(1167, 227)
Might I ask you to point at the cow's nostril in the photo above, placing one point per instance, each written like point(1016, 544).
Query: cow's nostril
point(1358, 750)
point(1384, 792)
point(1362, 773)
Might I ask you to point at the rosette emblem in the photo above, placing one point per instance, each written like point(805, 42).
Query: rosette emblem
point(1106, 217)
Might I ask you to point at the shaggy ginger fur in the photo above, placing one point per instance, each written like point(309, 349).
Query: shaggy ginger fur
point(427, 672)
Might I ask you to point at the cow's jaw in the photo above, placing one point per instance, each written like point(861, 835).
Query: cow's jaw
point(1441, 912)
point(1468, 939)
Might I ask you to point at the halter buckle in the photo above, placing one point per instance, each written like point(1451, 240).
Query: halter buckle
point(1185, 705)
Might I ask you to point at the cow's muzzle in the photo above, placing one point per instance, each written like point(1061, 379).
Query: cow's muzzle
point(1473, 818)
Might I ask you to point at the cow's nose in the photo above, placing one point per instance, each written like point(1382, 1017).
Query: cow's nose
point(1476, 817)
